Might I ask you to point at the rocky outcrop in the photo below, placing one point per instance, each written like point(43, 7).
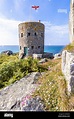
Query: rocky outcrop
point(11, 97)
point(68, 69)
point(48, 55)
point(7, 52)
point(58, 55)
point(33, 104)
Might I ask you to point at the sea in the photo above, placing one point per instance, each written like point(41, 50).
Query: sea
point(47, 48)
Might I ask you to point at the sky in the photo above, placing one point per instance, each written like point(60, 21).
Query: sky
point(54, 14)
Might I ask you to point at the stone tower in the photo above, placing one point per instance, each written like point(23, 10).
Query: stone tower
point(31, 38)
point(71, 21)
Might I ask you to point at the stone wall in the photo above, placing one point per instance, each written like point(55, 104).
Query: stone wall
point(68, 69)
point(31, 37)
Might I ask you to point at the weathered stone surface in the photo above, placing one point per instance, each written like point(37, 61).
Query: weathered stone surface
point(68, 69)
point(34, 104)
point(31, 38)
point(72, 83)
point(58, 55)
point(11, 96)
point(71, 68)
point(43, 60)
point(37, 56)
point(7, 52)
point(48, 55)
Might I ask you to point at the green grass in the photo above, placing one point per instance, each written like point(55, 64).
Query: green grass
point(70, 47)
point(52, 89)
point(52, 85)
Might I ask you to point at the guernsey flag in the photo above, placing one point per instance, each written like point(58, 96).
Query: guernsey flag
point(35, 7)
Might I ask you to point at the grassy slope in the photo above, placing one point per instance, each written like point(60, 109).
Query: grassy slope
point(12, 68)
point(53, 88)
point(70, 47)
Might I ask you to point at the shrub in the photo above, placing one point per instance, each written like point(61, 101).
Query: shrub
point(12, 69)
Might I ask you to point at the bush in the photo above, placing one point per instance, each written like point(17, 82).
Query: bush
point(6, 72)
point(12, 69)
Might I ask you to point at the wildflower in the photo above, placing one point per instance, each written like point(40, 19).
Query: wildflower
point(56, 107)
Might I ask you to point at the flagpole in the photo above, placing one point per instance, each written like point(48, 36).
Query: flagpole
point(34, 7)
point(30, 13)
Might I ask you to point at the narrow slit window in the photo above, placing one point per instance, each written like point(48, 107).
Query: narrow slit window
point(35, 34)
point(28, 34)
point(21, 34)
point(32, 47)
point(38, 47)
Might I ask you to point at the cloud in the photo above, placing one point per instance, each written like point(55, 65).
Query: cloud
point(17, 5)
point(62, 11)
point(8, 32)
point(56, 34)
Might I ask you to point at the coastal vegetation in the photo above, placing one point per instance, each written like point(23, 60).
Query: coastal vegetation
point(12, 68)
point(70, 47)
point(53, 88)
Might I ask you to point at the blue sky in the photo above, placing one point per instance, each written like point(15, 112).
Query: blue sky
point(53, 13)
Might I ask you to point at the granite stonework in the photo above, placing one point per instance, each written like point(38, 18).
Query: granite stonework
point(31, 38)
point(15, 96)
point(68, 69)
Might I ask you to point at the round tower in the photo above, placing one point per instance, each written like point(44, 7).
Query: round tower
point(31, 38)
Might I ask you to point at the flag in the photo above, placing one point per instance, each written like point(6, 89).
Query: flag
point(35, 7)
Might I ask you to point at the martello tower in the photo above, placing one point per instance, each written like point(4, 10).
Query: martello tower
point(31, 38)
point(71, 21)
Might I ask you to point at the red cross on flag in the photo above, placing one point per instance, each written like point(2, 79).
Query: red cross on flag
point(35, 7)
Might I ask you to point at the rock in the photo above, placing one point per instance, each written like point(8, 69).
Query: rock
point(72, 84)
point(58, 55)
point(21, 55)
point(68, 69)
point(43, 60)
point(16, 106)
point(72, 68)
point(37, 56)
point(7, 52)
point(34, 104)
point(11, 96)
point(72, 73)
point(36, 77)
point(48, 55)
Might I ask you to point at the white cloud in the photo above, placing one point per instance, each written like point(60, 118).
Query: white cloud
point(17, 4)
point(56, 34)
point(8, 32)
point(62, 11)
